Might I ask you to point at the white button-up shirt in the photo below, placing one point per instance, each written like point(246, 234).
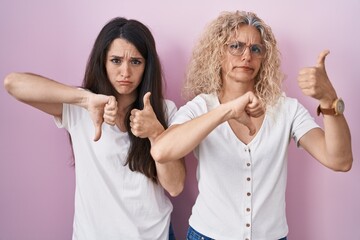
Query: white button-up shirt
point(242, 187)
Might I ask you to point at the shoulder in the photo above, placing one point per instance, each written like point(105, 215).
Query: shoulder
point(286, 104)
point(199, 105)
point(206, 101)
point(71, 116)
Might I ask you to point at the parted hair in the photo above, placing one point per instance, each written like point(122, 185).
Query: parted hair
point(96, 80)
point(204, 70)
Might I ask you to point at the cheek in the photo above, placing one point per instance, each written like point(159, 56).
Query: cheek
point(226, 65)
point(258, 68)
point(111, 73)
point(139, 74)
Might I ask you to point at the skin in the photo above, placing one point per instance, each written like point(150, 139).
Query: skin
point(124, 66)
point(238, 77)
point(331, 147)
point(240, 107)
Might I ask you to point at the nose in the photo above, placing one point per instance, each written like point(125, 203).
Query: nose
point(125, 70)
point(246, 54)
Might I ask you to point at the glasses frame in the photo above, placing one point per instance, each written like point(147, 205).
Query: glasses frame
point(253, 48)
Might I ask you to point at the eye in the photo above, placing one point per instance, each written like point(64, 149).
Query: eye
point(236, 46)
point(258, 49)
point(136, 61)
point(115, 60)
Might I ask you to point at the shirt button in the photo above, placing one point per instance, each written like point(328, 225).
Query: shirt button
point(248, 225)
point(248, 209)
point(248, 179)
point(248, 164)
point(247, 238)
point(249, 194)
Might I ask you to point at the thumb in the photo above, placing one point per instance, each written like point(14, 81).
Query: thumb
point(250, 125)
point(146, 99)
point(98, 130)
point(111, 100)
point(321, 59)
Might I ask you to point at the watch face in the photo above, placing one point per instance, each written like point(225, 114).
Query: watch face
point(340, 106)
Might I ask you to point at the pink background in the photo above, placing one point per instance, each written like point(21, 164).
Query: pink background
point(54, 38)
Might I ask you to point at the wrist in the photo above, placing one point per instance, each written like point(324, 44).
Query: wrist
point(84, 98)
point(158, 131)
point(327, 102)
point(337, 107)
point(225, 112)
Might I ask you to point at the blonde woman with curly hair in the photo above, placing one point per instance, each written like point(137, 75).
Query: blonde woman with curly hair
point(239, 123)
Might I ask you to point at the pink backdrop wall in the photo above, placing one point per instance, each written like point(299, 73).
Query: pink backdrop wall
point(53, 38)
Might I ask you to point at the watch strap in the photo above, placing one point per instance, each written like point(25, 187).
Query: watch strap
point(325, 111)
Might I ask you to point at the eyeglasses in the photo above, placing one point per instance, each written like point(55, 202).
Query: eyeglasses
point(238, 48)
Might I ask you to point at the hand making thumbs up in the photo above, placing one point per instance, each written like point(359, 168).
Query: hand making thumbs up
point(144, 123)
point(314, 81)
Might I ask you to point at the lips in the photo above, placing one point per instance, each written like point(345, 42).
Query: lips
point(245, 68)
point(124, 82)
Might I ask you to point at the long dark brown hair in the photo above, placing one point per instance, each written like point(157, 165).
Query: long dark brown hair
point(96, 80)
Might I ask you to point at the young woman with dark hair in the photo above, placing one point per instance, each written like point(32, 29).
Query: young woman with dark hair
point(119, 187)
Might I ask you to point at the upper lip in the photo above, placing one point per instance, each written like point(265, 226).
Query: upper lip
point(245, 67)
point(124, 81)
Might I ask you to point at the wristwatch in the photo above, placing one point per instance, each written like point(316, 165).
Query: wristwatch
point(337, 108)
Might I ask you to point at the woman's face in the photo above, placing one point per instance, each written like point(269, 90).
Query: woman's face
point(238, 66)
point(125, 67)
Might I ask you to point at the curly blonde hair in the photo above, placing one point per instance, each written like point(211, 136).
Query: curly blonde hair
point(204, 70)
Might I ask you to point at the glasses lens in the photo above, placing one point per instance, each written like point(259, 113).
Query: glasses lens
point(238, 48)
point(257, 50)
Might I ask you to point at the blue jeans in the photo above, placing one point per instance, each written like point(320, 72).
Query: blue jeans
point(171, 233)
point(192, 234)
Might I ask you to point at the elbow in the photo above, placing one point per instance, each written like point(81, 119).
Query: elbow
point(158, 155)
point(176, 190)
point(345, 166)
point(10, 83)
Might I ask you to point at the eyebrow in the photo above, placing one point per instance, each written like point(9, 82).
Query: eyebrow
point(116, 56)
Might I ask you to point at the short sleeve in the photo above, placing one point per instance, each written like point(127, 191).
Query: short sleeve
point(170, 110)
point(190, 110)
point(302, 123)
point(71, 115)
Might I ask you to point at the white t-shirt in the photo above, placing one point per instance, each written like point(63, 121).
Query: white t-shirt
point(111, 201)
point(242, 187)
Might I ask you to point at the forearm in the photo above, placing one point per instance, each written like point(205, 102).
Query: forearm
point(171, 176)
point(338, 142)
point(179, 140)
point(31, 88)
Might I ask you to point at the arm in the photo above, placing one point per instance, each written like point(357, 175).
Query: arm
point(171, 176)
point(331, 147)
point(179, 140)
point(144, 124)
point(49, 96)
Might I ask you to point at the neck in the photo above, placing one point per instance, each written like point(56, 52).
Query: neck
point(124, 102)
point(234, 91)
